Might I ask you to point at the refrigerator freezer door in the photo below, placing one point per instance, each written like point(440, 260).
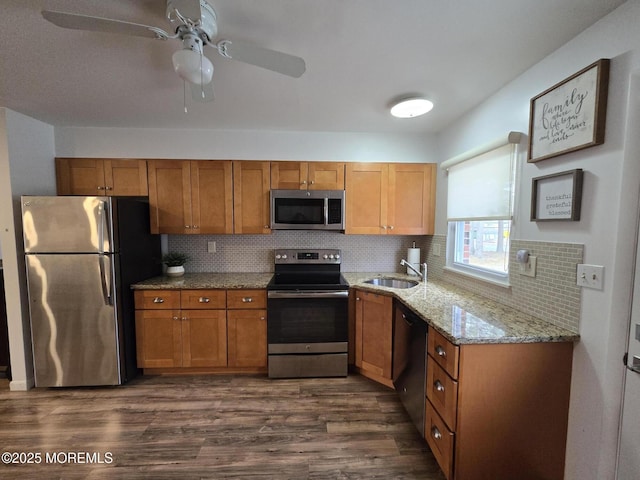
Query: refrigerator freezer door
point(73, 320)
point(67, 224)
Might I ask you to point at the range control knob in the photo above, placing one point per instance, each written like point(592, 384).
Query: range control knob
point(337, 256)
point(278, 256)
point(331, 256)
point(284, 256)
point(325, 256)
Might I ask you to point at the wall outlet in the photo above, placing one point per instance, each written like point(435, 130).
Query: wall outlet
point(529, 268)
point(211, 247)
point(590, 276)
point(436, 250)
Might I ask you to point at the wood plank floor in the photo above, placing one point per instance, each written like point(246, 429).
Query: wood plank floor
point(211, 427)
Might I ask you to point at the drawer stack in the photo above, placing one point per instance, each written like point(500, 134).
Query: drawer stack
point(442, 399)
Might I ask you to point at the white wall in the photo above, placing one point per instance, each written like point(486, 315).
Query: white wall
point(26, 167)
point(249, 145)
point(604, 229)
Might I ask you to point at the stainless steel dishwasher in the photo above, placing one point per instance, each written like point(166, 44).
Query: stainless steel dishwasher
point(410, 363)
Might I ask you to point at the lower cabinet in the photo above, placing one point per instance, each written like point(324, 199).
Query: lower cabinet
point(498, 411)
point(194, 329)
point(374, 336)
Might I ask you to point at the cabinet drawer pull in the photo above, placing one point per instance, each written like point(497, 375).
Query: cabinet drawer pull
point(204, 299)
point(441, 352)
point(261, 318)
point(247, 299)
point(438, 386)
point(435, 433)
point(176, 318)
point(158, 300)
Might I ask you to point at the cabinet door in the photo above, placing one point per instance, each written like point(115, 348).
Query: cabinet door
point(204, 338)
point(374, 333)
point(80, 176)
point(289, 175)
point(170, 196)
point(411, 201)
point(126, 177)
point(366, 198)
point(158, 338)
point(247, 338)
point(251, 182)
point(326, 176)
point(212, 196)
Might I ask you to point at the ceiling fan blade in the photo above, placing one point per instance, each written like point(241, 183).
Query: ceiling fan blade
point(263, 57)
point(97, 24)
point(202, 93)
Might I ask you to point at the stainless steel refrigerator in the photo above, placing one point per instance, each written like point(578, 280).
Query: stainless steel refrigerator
point(82, 254)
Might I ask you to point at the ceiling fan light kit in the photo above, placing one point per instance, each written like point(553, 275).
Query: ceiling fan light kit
point(196, 26)
point(411, 107)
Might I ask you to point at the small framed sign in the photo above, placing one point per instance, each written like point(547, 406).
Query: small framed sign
point(557, 196)
point(571, 115)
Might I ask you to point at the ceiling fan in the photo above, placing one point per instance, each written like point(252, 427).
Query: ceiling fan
point(195, 25)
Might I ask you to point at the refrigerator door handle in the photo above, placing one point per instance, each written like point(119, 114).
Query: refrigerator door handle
point(105, 281)
point(104, 227)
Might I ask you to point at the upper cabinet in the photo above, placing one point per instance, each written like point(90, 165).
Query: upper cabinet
point(390, 199)
point(96, 176)
point(251, 197)
point(307, 175)
point(190, 197)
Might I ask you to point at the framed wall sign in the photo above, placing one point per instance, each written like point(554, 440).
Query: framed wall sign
point(570, 115)
point(557, 196)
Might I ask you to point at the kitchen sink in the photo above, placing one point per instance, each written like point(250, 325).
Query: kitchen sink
point(392, 282)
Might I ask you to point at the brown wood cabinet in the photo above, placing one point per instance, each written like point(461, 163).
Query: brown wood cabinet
point(193, 331)
point(97, 176)
point(191, 196)
point(181, 329)
point(498, 411)
point(251, 181)
point(390, 199)
point(373, 336)
point(247, 328)
point(307, 175)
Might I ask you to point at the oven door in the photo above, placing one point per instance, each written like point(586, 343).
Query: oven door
point(307, 321)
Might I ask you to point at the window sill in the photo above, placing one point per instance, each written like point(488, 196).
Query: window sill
point(506, 285)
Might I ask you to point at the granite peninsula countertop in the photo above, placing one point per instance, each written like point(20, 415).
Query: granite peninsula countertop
point(461, 316)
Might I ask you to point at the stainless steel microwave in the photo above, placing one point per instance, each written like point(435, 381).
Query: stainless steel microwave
point(307, 209)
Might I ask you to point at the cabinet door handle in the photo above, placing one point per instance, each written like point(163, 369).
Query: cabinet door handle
point(435, 433)
point(261, 318)
point(441, 351)
point(204, 300)
point(384, 227)
point(304, 182)
point(185, 319)
point(357, 299)
point(195, 226)
point(390, 227)
point(158, 300)
point(108, 188)
point(438, 386)
point(312, 182)
point(100, 188)
point(187, 226)
point(247, 299)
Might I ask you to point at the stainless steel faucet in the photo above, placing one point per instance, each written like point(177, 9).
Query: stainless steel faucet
point(422, 274)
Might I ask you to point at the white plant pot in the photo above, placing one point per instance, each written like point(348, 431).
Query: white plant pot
point(175, 271)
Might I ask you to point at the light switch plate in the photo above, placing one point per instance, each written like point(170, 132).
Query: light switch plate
point(590, 276)
point(211, 247)
point(436, 250)
point(529, 268)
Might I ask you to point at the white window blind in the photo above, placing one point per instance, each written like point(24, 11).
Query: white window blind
point(481, 187)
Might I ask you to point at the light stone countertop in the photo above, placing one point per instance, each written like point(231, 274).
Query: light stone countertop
point(461, 316)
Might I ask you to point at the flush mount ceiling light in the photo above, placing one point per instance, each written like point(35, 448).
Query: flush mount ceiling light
point(411, 107)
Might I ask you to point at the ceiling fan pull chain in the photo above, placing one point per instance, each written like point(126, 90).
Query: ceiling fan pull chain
point(184, 95)
point(201, 77)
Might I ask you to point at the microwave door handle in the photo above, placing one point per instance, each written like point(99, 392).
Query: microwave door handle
point(326, 210)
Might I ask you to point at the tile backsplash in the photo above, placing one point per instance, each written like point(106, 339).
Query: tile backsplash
point(551, 295)
point(254, 253)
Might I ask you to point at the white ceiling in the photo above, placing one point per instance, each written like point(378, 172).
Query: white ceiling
point(360, 55)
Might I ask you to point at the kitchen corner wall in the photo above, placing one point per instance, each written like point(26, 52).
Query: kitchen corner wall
point(254, 253)
point(551, 295)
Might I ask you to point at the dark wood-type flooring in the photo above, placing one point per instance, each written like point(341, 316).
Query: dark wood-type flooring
point(211, 427)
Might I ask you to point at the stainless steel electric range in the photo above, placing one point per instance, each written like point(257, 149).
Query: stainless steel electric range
point(307, 315)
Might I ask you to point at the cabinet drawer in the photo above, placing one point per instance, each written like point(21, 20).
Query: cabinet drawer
point(442, 392)
point(209, 299)
point(444, 352)
point(246, 299)
point(440, 440)
point(157, 299)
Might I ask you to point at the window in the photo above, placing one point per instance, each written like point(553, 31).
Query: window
point(480, 210)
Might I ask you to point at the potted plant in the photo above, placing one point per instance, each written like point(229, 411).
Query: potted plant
point(175, 263)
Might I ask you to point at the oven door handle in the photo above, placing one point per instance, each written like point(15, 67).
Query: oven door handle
point(307, 294)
